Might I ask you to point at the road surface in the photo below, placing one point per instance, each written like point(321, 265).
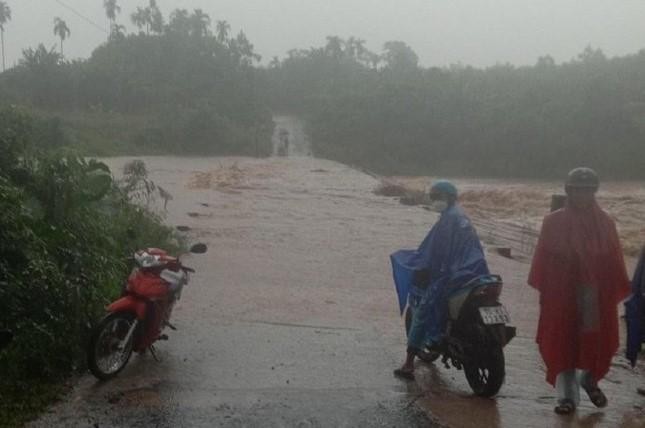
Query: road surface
point(292, 320)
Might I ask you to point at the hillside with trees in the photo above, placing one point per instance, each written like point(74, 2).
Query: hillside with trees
point(173, 87)
point(386, 113)
point(183, 84)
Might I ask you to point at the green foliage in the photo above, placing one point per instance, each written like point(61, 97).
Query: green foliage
point(65, 229)
point(177, 88)
point(502, 121)
point(187, 90)
point(5, 14)
point(22, 401)
point(16, 128)
point(62, 31)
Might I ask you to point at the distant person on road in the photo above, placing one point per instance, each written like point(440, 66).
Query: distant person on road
point(635, 313)
point(579, 271)
point(451, 254)
point(283, 149)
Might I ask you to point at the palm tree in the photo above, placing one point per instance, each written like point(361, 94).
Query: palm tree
point(155, 17)
point(61, 30)
point(141, 18)
point(200, 22)
point(223, 29)
point(118, 32)
point(111, 10)
point(335, 46)
point(5, 16)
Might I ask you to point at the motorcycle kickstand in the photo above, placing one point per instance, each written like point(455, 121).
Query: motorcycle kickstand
point(153, 352)
point(172, 327)
point(444, 360)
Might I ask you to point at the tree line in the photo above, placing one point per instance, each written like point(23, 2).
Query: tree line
point(386, 113)
point(182, 83)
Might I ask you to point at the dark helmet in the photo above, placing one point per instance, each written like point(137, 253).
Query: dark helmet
point(582, 178)
point(443, 187)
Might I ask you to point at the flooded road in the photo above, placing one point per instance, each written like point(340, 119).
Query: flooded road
point(292, 319)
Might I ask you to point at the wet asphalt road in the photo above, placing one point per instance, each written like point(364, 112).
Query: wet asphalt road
point(292, 320)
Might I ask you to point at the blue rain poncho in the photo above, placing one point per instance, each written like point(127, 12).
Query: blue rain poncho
point(634, 312)
point(450, 255)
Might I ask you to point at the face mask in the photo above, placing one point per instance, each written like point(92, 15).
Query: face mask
point(438, 206)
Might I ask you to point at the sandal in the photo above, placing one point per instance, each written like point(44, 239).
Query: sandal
point(596, 396)
point(404, 374)
point(565, 407)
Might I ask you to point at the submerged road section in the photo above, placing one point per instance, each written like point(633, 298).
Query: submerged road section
point(292, 319)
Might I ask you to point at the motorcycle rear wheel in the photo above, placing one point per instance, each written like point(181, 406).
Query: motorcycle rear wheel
point(485, 374)
point(105, 357)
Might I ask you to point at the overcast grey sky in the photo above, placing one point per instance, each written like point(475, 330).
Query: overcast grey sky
point(442, 32)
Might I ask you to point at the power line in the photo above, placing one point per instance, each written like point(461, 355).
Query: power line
point(83, 17)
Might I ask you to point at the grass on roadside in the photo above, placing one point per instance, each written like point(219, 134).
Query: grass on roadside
point(24, 401)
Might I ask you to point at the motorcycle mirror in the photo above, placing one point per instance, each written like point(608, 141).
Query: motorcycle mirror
point(198, 248)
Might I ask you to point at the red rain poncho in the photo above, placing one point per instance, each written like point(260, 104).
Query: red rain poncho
point(578, 269)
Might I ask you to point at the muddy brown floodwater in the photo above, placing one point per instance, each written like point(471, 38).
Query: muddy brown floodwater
point(292, 320)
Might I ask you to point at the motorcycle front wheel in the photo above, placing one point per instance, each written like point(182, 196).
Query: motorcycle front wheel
point(107, 354)
point(485, 372)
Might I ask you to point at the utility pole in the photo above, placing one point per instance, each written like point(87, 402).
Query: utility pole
point(2, 41)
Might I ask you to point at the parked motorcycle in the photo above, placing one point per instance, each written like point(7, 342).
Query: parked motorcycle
point(136, 320)
point(476, 334)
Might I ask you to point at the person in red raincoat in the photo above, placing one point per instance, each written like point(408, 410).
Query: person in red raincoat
point(578, 269)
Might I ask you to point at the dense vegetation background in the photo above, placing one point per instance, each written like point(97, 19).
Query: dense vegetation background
point(388, 114)
point(183, 85)
point(177, 89)
point(65, 229)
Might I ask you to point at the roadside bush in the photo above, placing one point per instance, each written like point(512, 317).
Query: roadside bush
point(65, 229)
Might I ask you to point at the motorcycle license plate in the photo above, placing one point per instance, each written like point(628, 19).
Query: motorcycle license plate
point(494, 315)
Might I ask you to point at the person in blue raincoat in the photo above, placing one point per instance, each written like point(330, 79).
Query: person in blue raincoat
point(450, 255)
point(635, 312)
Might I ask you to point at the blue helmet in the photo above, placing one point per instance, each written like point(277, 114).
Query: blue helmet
point(444, 187)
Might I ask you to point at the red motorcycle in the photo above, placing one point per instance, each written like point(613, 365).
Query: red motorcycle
point(136, 320)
